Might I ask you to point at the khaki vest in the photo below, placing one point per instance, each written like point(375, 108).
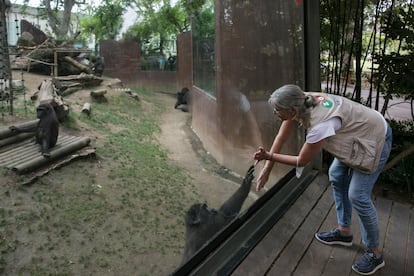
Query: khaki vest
point(360, 140)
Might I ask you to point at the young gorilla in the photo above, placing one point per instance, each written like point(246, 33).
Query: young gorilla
point(183, 100)
point(203, 222)
point(47, 130)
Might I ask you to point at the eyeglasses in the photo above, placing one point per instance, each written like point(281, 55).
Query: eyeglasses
point(283, 110)
point(277, 110)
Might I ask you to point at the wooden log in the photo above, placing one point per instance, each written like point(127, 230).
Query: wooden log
point(99, 95)
point(70, 90)
point(86, 109)
point(6, 132)
point(85, 80)
point(56, 152)
point(46, 92)
point(78, 65)
point(16, 138)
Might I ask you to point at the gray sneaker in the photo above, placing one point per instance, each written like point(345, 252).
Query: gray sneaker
point(368, 264)
point(334, 237)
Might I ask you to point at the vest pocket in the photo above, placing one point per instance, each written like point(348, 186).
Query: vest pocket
point(363, 154)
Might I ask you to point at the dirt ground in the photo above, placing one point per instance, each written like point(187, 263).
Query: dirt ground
point(212, 183)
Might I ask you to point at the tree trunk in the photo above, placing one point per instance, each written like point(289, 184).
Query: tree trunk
point(78, 65)
point(47, 94)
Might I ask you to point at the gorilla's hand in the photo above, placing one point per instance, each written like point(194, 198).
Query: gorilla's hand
point(249, 175)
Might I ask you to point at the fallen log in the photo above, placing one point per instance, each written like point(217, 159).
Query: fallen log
point(70, 90)
point(55, 153)
point(6, 132)
point(80, 66)
point(99, 95)
point(15, 139)
point(80, 154)
point(47, 94)
point(84, 80)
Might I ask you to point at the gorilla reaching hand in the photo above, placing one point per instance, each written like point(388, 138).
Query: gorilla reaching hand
point(47, 130)
point(203, 222)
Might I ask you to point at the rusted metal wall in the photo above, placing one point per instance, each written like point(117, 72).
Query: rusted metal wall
point(259, 47)
point(122, 60)
point(185, 60)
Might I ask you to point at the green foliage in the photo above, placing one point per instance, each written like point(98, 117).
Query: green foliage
point(105, 22)
point(158, 26)
point(395, 68)
point(204, 24)
point(160, 21)
point(401, 177)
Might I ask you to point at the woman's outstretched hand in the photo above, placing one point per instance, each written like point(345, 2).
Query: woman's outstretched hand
point(262, 179)
point(261, 154)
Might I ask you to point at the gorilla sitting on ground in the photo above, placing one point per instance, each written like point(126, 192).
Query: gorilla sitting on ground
point(183, 100)
point(202, 222)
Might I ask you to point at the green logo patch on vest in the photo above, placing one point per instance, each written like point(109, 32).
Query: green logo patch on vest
point(327, 103)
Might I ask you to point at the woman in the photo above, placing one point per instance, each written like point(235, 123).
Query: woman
point(360, 140)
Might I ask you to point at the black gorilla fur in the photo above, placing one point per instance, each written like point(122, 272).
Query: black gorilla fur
point(203, 222)
point(47, 129)
point(183, 100)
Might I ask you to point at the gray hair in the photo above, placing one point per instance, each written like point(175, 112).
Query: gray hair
point(291, 96)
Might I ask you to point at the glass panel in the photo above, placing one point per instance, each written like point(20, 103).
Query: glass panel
point(258, 47)
point(158, 55)
point(204, 53)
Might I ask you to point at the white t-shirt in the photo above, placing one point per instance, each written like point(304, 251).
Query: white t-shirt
point(319, 132)
point(323, 130)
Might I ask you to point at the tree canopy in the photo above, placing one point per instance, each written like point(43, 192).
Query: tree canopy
point(160, 21)
point(105, 22)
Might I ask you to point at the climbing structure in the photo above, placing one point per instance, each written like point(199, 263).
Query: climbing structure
point(5, 70)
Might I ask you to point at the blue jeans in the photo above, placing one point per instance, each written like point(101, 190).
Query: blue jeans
point(352, 188)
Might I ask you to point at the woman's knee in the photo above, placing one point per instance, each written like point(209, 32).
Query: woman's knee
point(337, 172)
point(359, 199)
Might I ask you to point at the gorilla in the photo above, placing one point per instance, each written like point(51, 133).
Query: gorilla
point(202, 222)
point(183, 100)
point(47, 129)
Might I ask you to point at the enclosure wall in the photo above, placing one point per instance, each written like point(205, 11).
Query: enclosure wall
point(122, 60)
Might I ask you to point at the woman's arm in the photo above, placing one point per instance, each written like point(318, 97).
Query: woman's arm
point(307, 153)
point(283, 134)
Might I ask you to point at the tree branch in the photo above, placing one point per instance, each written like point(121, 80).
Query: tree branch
point(398, 158)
